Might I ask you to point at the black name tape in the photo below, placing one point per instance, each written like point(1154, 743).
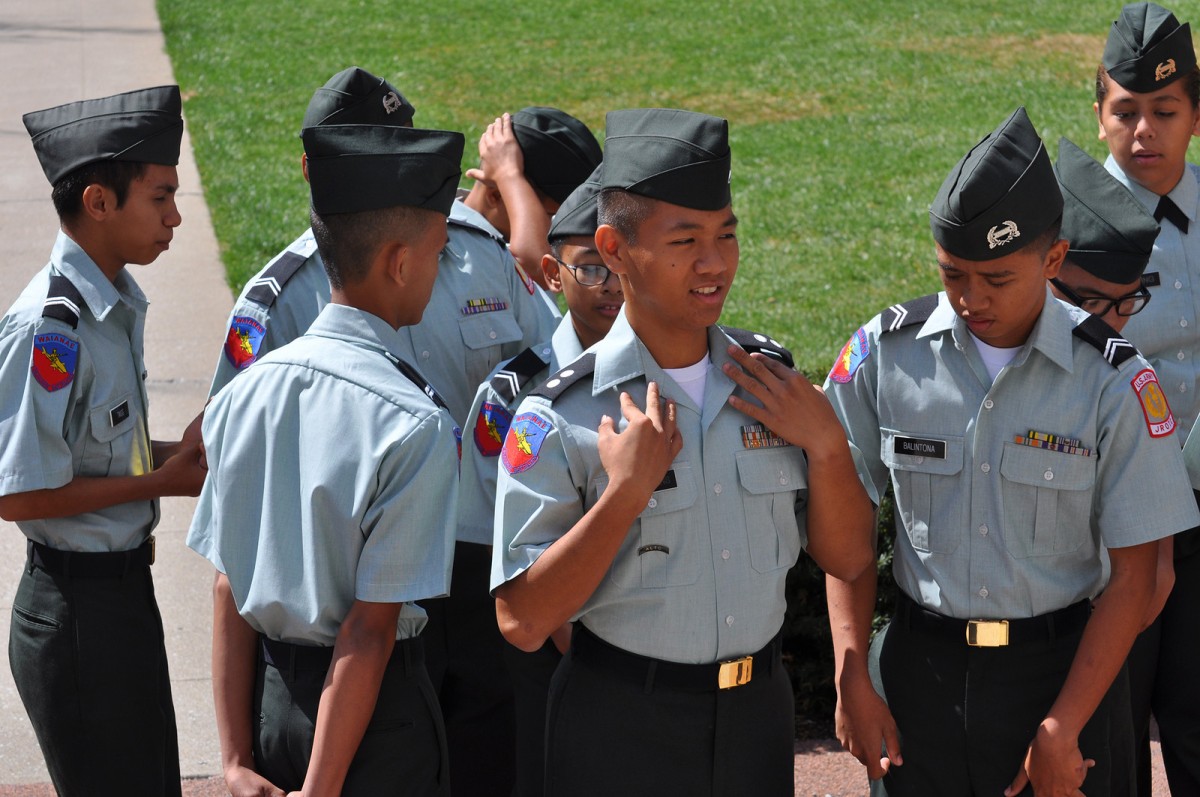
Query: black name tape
point(919, 447)
point(668, 482)
point(118, 413)
point(654, 549)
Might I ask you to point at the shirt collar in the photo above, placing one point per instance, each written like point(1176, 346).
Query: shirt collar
point(460, 213)
point(1185, 194)
point(622, 356)
point(342, 322)
point(100, 295)
point(564, 344)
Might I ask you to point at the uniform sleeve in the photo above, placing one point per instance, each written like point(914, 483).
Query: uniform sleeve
point(409, 525)
point(201, 536)
point(487, 424)
point(537, 501)
point(854, 396)
point(34, 454)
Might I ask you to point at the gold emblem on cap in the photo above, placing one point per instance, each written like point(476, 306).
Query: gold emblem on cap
point(391, 103)
point(1002, 234)
point(1164, 70)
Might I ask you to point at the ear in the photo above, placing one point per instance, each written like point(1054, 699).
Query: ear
point(613, 248)
point(1055, 256)
point(98, 201)
point(304, 165)
point(552, 272)
point(393, 262)
point(1096, 110)
point(1196, 121)
point(492, 194)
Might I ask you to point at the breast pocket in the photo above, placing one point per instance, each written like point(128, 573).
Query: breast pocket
point(770, 481)
point(1047, 500)
point(662, 549)
point(930, 498)
point(484, 335)
point(107, 424)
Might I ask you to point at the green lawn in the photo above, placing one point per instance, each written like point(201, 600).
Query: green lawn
point(843, 124)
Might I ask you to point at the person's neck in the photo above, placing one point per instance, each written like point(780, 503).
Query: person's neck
point(95, 247)
point(671, 348)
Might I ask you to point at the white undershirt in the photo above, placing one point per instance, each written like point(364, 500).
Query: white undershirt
point(993, 358)
point(692, 379)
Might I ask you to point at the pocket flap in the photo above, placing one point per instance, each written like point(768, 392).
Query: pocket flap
point(1040, 467)
point(489, 329)
point(113, 418)
point(772, 471)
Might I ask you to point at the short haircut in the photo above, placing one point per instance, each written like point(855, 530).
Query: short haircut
point(1191, 86)
point(1048, 237)
point(116, 176)
point(349, 241)
point(623, 211)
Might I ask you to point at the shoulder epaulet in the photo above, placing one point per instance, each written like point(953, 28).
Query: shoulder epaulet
point(463, 216)
point(554, 387)
point(516, 373)
point(266, 289)
point(756, 342)
point(63, 301)
point(1105, 339)
point(916, 311)
point(419, 381)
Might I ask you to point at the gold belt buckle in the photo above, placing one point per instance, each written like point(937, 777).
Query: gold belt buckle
point(987, 633)
point(153, 547)
point(735, 673)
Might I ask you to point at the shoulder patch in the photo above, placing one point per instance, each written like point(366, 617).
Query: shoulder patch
point(491, 427)
point(756, 342)
point(1114, 348)
point(853, 354)
point(516, 373)
point(266, 289)
point(63, 301)
point(415, 377)
point(1159, 419)
point(557, 384)
point(54, 358)
point(243, 341)
point(524, 441)
point(916, 311)
point(525, 278)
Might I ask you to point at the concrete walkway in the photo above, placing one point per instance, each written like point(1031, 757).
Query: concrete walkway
point(55, 51)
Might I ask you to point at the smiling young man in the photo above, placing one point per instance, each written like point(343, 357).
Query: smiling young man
point(1019, 434)
point(79, 473)
point(1148, 109)
point(666, 533)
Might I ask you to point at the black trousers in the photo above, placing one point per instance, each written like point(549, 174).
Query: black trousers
point(531, 674)
point(89, 662)
point(1163, 681)
point(630, 731)
point(464, 654)
point(403, 751)
point(966, 715)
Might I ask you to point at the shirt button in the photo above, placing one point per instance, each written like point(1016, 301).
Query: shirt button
point(988, 404)
point(729, 620)
point(492, 334)
point(1181, 355)
point(1048, 475)
point(983, 529)
point(983, 592)
point(1182, 387)
point(653, 503)
point(717, 489)
point(783, 479)
point(920, 460)
point(424, 355)
point(725, 554)
point(1183, 322)
point(986, 468)
point(1178, 285)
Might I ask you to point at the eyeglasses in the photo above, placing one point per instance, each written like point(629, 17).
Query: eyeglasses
point(589, 274)
point(1127, 305)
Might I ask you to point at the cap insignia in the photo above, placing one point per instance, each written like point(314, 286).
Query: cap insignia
point(391, 103)
point(1164, 70)
point(1002, 234)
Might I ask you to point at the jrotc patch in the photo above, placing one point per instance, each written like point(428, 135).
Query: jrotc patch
point(491, 425)
point(242, 342)
point(525, 437)
point(1159, 419)
point(852, 356)
point(525, 278)
point(54, 359)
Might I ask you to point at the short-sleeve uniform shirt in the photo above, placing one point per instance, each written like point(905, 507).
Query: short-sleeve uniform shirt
point(1007, 491)
point(700, 575)
point(73, 398)
point(332, 478)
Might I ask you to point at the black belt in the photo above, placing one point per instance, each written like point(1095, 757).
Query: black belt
point(290, 657)
point(81, 564)
point(587, 648)
point(993, 633)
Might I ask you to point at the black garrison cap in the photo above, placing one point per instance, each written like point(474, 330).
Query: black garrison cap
point(143, 126)
point(999, 197)
point(353, 168)
point(675, 156)
point(1147, 48)
point(1111, 233)
point(356, 97)
point(577, 214)
point(560, 151)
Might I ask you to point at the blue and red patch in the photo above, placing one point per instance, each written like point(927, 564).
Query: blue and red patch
point(491, 425)
point(525, 437)
point(54, 360)
point(243, 341)
point(525, 278)
point(852, 356)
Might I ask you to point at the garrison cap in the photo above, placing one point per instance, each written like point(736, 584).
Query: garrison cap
point(577, 214)
point(1111, 233)
point(1147, 48)
point(353, 168)
point(356, 97)
point(999, 197)
point(143, 126)
point(560, 151)
point(679, 157)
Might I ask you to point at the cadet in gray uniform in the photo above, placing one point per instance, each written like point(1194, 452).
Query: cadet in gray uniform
point(1148, 109)
point(329, 507)
point(79, 473)
point(668, 542)
point(1019, 434)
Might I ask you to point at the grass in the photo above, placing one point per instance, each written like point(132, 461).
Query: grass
point(843, 123)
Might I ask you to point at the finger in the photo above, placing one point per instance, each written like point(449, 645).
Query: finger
point(891, 740)
point(629, 409)
point(475, 174)
point(654, 410)
point(1019, 783)
point(606, 428)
